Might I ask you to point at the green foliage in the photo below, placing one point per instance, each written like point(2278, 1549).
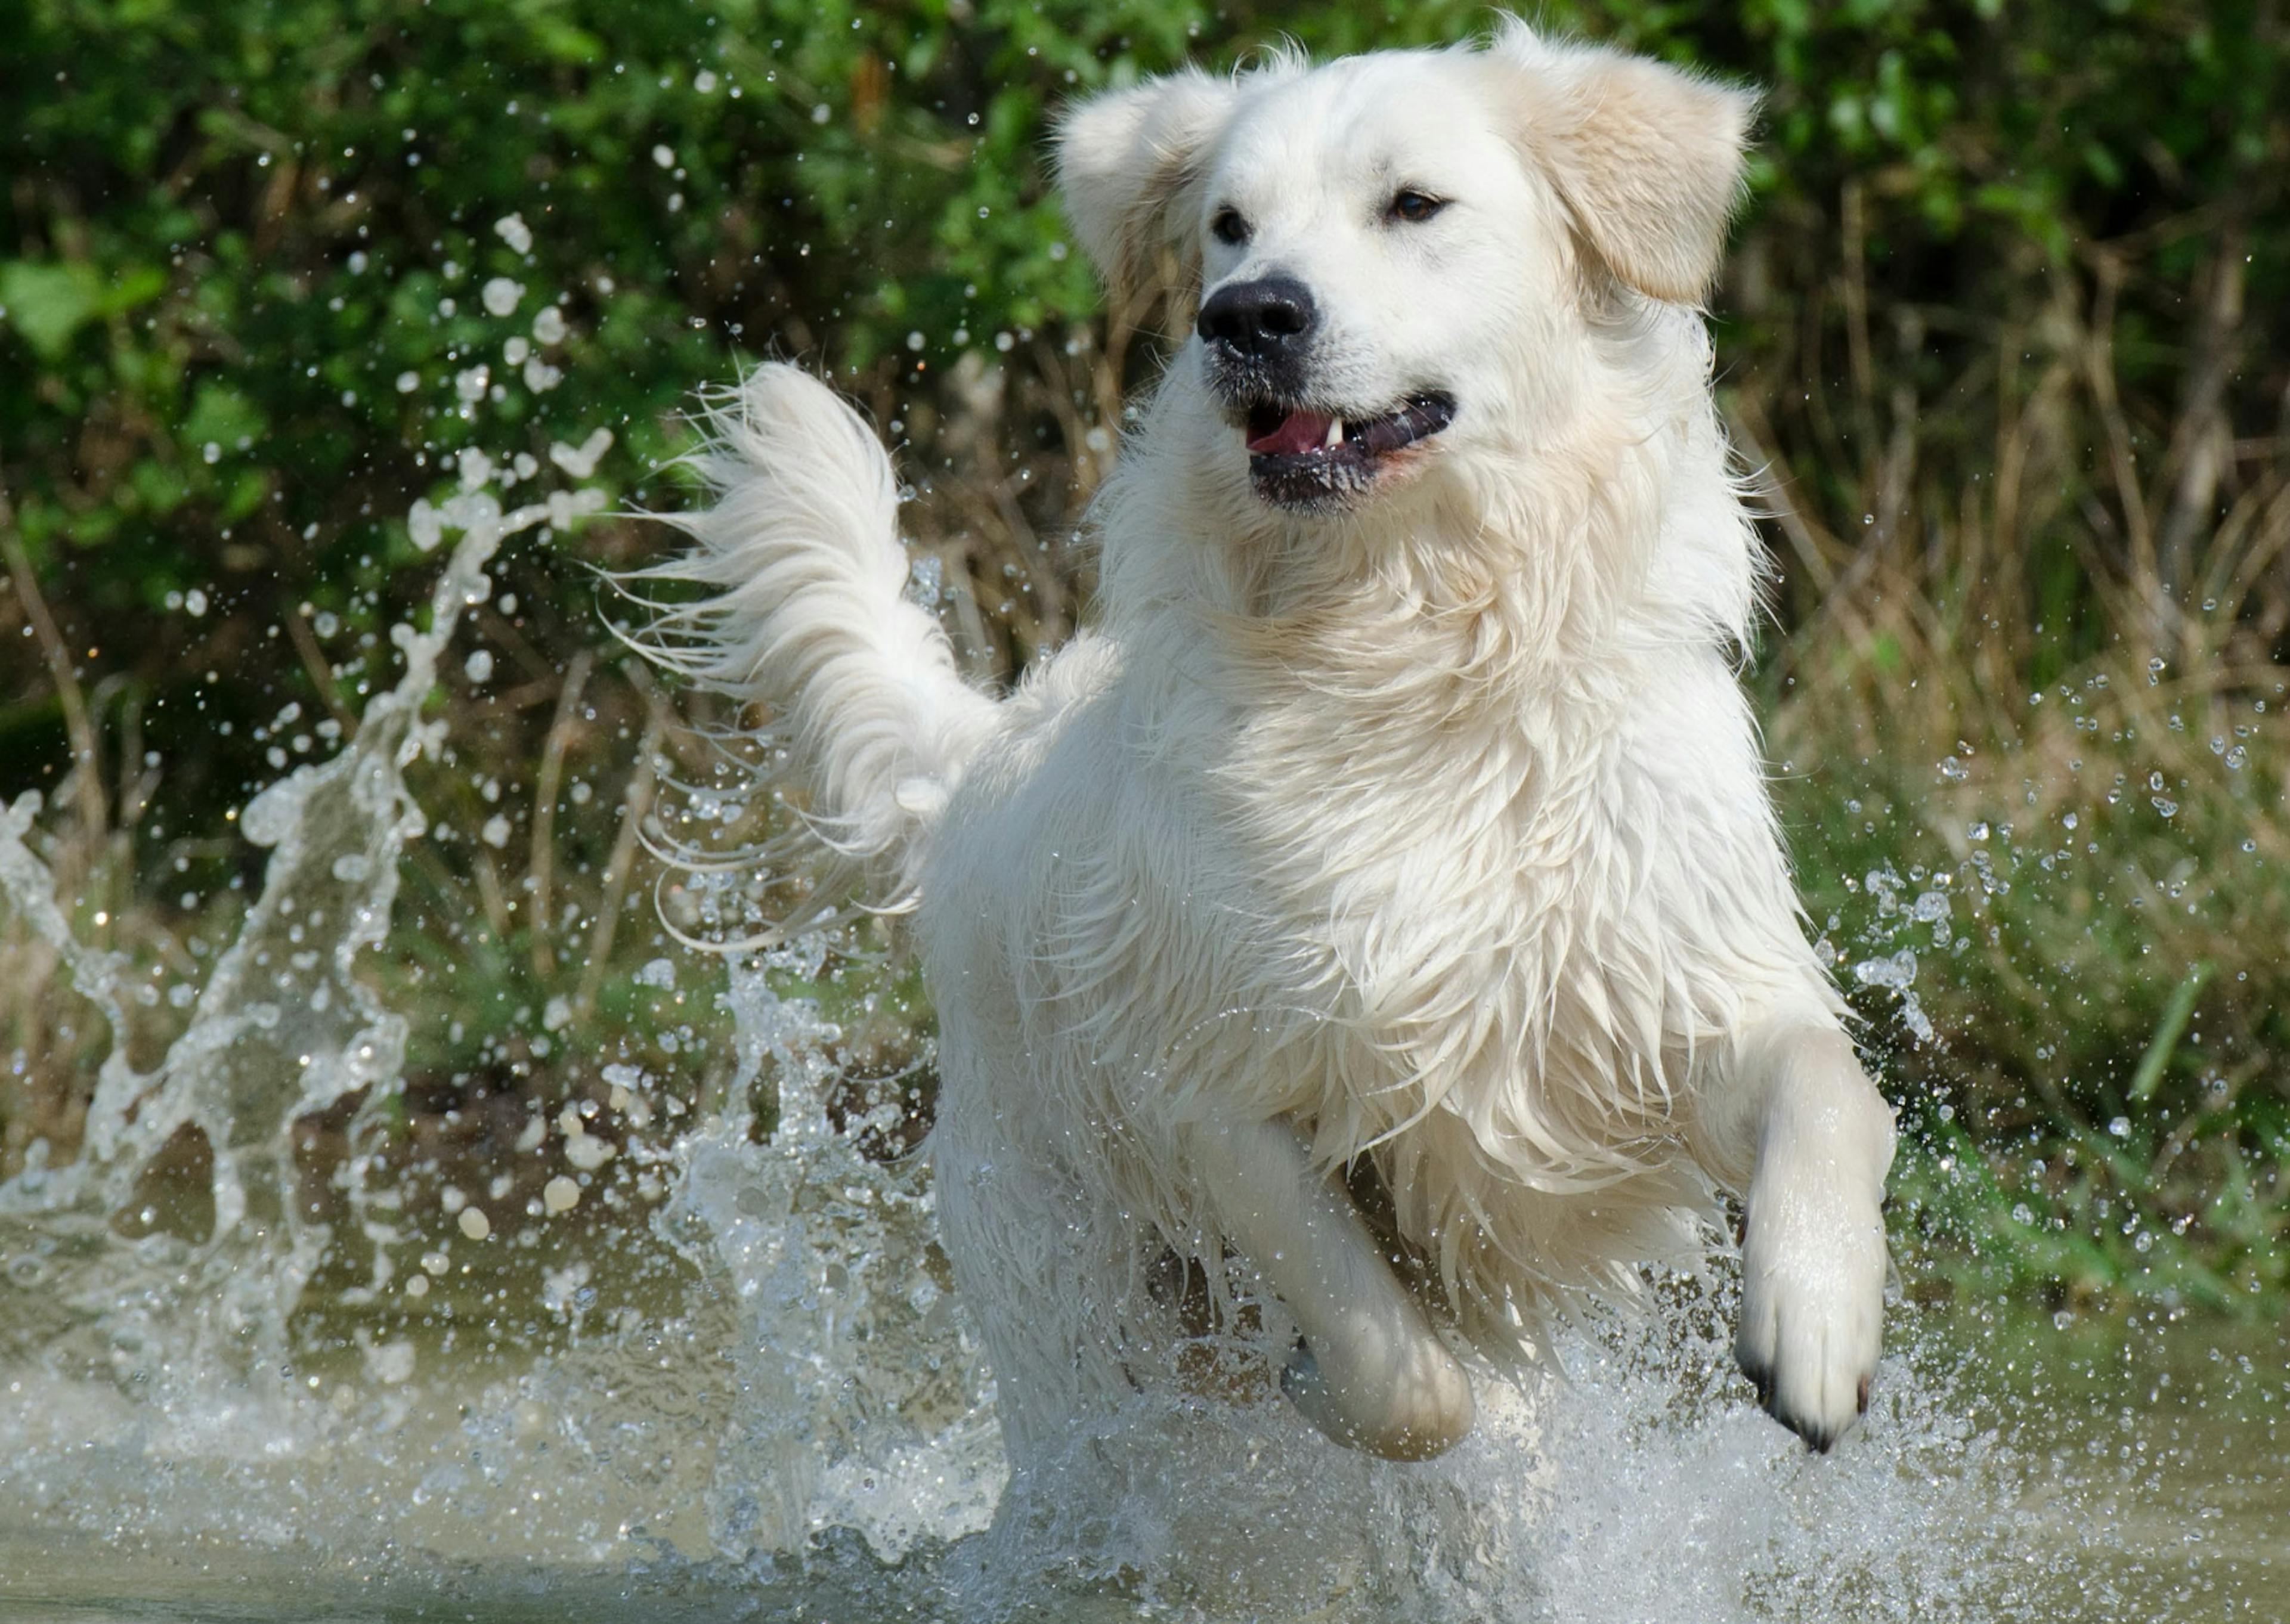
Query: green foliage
point(2008, 326)
point(2066, 943)
point(250, 236)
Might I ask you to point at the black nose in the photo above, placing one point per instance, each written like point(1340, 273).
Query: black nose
point(1264, 319)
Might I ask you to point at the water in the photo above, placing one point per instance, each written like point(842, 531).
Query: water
point(2100, 1476)
point(718, 1372)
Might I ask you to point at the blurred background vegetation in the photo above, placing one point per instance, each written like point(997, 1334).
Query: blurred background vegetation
point(2003, 335)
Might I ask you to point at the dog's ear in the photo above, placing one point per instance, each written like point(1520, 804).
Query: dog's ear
point(1128, 164)
point(1647, 157)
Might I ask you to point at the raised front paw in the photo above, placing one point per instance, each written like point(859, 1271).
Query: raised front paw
point(1414, 1409)
point(1812, 1300)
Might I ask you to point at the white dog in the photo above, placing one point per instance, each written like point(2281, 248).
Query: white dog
point(1375, 931)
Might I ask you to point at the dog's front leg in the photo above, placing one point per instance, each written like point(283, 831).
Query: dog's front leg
point(1818, 1140)
point(1371, 1373)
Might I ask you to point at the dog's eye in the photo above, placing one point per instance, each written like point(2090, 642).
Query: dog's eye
point(1415, 207)
point(1228, 227)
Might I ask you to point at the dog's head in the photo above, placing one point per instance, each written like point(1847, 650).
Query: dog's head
point(1394, 253)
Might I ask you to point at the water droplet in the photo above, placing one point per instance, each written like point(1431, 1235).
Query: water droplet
point(581, 462)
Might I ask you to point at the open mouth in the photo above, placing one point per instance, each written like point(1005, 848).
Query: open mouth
point(1300, 457)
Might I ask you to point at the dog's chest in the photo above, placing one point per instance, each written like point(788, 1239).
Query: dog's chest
point(1450, 895)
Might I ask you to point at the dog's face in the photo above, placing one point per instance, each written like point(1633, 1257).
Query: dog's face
point(1349, 224)
point(1397, 253)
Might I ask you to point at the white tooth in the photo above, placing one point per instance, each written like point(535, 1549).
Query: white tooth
point(1335, 432)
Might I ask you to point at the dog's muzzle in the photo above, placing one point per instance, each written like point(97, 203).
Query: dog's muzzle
point(1306, 458)
point(1304, 452)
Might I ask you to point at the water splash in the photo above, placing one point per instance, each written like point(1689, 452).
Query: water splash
point(793, 1418)
point(806, 1372)
point(878, 1416)
point(284, 1026)
point(1896, 917)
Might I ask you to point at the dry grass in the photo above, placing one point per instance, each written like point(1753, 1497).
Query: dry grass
point(2029, 675)
point(2045, 683)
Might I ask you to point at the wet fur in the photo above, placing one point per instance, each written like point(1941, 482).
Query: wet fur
point(1432, 832)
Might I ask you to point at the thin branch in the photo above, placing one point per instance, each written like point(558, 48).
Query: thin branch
point(635, 805)
point(79, 726)
point(2203, 447)
point(321, 673)
point(539, 875)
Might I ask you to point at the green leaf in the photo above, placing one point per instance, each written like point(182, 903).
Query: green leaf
point(247, 491)
point(221, 416)
point(131, 287)
point(48, 302)
point(2176, 1016)
point(566, 41)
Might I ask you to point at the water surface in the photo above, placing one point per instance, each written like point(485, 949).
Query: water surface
point(2016, 1468)
point(707, 1370)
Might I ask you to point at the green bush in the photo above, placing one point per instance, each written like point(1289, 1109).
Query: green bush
point(2007, 330)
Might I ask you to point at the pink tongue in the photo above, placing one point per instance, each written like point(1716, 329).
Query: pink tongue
point(1298, 431)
